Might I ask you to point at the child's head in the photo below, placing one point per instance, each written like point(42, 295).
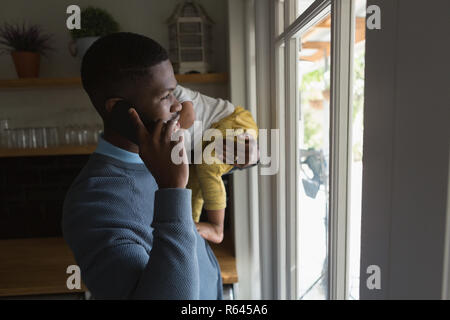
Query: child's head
point(133, 67)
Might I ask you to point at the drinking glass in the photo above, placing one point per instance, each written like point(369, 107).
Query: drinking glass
point(11, 135)
point(83, 134)
point(66, 135)
point(22, 138)
point(92, 136)
point(41, 138)
point(73, 135)
point(4, 125)
point(98, 132)
point(32, 137)
point(52, 136)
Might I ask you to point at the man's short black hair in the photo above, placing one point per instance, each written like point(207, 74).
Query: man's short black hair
point(115, 63)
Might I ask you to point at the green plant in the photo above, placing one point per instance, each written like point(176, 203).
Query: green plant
point(358, 105)
point(311, 78)
point(311, 88)
point(313, 134)
point(95, 22)
point(358, 84)
point(22, 38)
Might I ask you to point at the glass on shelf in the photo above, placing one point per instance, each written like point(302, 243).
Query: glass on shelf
point(11, 138)
point(52, 136)
point(32, 138)
point(22, 138)
point(97, 130)
point(83, 135)
point(66, 135)
point(41, 137)
point(4, 126)
point(80, 135)
point(48, 137)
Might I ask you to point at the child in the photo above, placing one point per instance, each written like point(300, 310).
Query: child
point(205, 180)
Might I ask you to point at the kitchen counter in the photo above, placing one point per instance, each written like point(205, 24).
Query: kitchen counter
point(38, 265)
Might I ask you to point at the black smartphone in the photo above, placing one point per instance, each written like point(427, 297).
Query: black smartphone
point(119, 120)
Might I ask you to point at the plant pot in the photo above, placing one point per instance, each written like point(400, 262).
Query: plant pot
point(27, 63)
point(79, 47)
point(316, 104)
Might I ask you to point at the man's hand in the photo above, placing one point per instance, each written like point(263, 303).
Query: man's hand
point(240, 155)
point(155, 148)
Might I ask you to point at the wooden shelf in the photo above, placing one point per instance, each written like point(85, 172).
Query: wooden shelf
point(38, 266)
point(70, 82)
point(39, 82)
point(54, 151)
point(34, 266)
point(202, 78)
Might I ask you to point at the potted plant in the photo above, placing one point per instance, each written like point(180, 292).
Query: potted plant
point(26, 45)
point(315, 95)
point(95, 23)
point(316, 102)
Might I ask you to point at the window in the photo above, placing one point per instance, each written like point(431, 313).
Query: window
point(314, 129)
point(314, 74)
point(301, 6)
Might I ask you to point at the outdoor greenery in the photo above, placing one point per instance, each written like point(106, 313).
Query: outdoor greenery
point(20, 37)
point(311, 88)
point(95, 22)
point(358, 104)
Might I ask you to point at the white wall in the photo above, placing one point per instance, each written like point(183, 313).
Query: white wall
point(33, 107)
point(406, 149)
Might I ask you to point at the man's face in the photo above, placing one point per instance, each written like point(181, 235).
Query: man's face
point(154, 99)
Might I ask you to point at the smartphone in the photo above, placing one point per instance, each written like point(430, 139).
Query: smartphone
point(119, 120)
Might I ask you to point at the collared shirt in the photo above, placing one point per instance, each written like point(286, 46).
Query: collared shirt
point(110, 150)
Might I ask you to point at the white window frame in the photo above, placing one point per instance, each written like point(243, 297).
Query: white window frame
point(340, 145)
point(266, 205)
point(342, 28)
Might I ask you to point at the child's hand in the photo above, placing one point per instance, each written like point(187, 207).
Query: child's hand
point(240, 155)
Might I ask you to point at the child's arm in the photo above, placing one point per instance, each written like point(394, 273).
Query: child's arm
point(213, 229)
point(187, 115)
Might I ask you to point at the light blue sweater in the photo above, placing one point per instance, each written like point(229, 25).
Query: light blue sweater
point(132, 240)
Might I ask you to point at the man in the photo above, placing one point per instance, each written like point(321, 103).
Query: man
point(127, 216)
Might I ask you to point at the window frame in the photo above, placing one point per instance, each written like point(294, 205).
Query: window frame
point(340, 142)
point(342, 48)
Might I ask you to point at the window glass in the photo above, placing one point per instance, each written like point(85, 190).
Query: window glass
point(301, 6)
point(314, 127)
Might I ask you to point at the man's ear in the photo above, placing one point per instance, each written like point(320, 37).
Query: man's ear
point(109, 104)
